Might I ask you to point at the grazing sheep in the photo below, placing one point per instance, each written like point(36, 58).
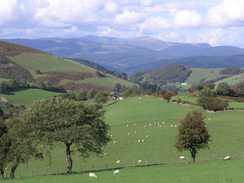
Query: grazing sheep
point(92, 175)
point(182, 157)
point(226, 158)
point(171, 125)
point(143, 140)
point(145, 126)
point(139, 161)
point(134, 124)
point(116, 172)
point(105, 154)
point(175, 125)
point(147, 136)
point(128, 133)
point(135, 131)
point(114, 142)
point(127, 125)
point(118, 161)
point(139, 141)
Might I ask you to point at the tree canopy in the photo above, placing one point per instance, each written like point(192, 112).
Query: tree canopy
point(69, 122)
point(192, 134)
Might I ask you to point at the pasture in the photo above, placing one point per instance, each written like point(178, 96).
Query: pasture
point(211, 172)
point(132, 120)
point(27, 96)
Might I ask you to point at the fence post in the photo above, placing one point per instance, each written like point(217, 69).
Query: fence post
point(93, 167)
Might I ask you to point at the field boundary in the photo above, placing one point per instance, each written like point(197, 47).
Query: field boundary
point(144, 163)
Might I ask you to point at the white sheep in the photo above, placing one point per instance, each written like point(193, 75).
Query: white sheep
point(116, 172)
point(128, 133)
point(139, 141)
point(139, 161)
point(226, 158)
point(118, 161)
point(92, 175)
point(143, 140)
point(114, 142)
point(147, 136)
point(182, 157)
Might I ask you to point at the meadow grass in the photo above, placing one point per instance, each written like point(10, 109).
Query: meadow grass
point(27, 96)
point(211, 172)
point(232, 81)
point(198, 74)
point(146, 117)
point(45, 63)
point(109, 81)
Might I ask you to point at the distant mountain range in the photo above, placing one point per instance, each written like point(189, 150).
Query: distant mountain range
point(132, 55)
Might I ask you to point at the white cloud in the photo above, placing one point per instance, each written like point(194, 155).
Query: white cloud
point(111, 7)
point(185, 18)
point(129, 17)
point(7, 10)
point(227, 13)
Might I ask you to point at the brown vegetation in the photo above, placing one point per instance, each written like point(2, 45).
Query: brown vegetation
point(11, 49)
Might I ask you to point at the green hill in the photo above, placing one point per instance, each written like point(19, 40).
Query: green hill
point(22, 63)
point(146, 117)
point(178, 74)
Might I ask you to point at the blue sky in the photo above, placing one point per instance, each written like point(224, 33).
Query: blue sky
point(217, 22)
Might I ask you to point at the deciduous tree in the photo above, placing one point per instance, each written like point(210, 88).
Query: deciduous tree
point(69, 122)
point(204, 95)
point(192, 134)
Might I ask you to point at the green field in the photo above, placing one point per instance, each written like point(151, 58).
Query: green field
point(27, 96)
point(199, 74)
point(146, 117)
point(232, 81)
point(211, 172)
point(46, 63)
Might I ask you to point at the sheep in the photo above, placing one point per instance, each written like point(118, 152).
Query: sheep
point(92, 175)
point(139, 141)
point(116, 172)
point(143, 140)
point(139, 161)
point(147, 136)
point(227, 158)
point(127, 125)
point(128, 133)
point(114, 142)
point(182, 157)
point(135, 131)
point(118, 161)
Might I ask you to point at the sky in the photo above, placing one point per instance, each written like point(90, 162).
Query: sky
point(217, 22)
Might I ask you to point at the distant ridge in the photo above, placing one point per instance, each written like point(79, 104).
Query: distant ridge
point(131, 55)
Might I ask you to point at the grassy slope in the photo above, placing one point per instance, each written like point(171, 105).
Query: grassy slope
point(232, 81)
point(211, 172)
point(199, 74)
point(225, 129)
point(46, 63)
point(27, 96)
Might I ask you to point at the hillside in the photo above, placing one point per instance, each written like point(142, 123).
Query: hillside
point(22, 63)
point(132, 55)
point(179, 74)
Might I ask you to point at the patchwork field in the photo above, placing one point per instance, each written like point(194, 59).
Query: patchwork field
point(132, 120)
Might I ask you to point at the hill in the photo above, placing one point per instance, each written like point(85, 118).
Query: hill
point(132, 55)
point(146, 117)
point(196, 61)
point(31, 65)
point(179, 74)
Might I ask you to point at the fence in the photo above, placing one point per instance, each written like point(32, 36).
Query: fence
point(144, 163)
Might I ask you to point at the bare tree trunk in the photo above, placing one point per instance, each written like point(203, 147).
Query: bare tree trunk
point(13, 169)
point(69, 158)
point(1, 173)
point(193, 154)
